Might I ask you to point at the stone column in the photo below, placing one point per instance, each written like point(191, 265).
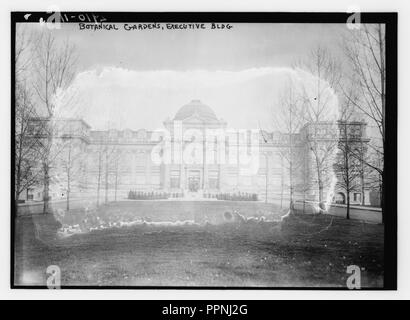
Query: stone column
point(181, 164)
point(367, 197)
point(205, 173)
point(166, 177)
point(148, 168)
point(133, 167)
point(182, 177)
point(186, 179)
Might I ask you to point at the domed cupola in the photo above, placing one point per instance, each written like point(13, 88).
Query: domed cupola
point(195, 107)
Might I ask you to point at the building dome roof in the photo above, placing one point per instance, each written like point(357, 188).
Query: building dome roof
point(195, 107)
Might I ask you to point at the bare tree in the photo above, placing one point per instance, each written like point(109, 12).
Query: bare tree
point(53, 65)
point(322, 142)
point(26, 150)
point(108, 158)
point(117, 158)
point(289, 121)
point(100, 154)
point(111, 168)
point(319, 107)
point(68, 166)
point(305, 184)
point(348, 167)
point(22, 58)
point(365, 50)
point(70, 159)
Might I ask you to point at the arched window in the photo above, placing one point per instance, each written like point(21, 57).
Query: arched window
point(340, 198)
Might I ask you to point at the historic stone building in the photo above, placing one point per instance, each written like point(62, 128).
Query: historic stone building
point(196, 156)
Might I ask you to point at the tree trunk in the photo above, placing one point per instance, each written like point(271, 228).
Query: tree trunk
point(116, 182)
point(362, 183)
point(18, 180)
point(46, 168)
point(290, 174)
point(291, 186)
point(347, 173)
point(305, 187)
point(106, 180)
point(381, 190)
point(46, 189)
point(68, 177)
point(99, 180)
point(383, 98)
point(320, 185)
point(319, 179)
point(68, 201)
point(16, 197)
point(17, 191)
point(363, 188)
point(68, 193)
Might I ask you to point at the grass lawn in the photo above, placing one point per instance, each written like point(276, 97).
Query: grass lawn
point(301, 251)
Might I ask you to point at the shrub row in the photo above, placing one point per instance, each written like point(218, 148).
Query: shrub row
point(241, 196)
point(141, 195)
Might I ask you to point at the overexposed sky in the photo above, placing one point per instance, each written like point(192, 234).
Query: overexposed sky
point(137, 79)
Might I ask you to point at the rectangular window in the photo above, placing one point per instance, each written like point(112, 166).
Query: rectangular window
point(30, 195)
point(213, 179)
point(175, 179)
point(155, 174)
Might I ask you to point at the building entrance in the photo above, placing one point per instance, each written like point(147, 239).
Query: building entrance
point(194, 180)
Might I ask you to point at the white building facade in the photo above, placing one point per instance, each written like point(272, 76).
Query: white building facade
point(196, 156)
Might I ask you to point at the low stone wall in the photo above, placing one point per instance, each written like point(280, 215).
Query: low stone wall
point(368, 214)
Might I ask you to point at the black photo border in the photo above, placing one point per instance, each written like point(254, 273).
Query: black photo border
point(390, 152)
